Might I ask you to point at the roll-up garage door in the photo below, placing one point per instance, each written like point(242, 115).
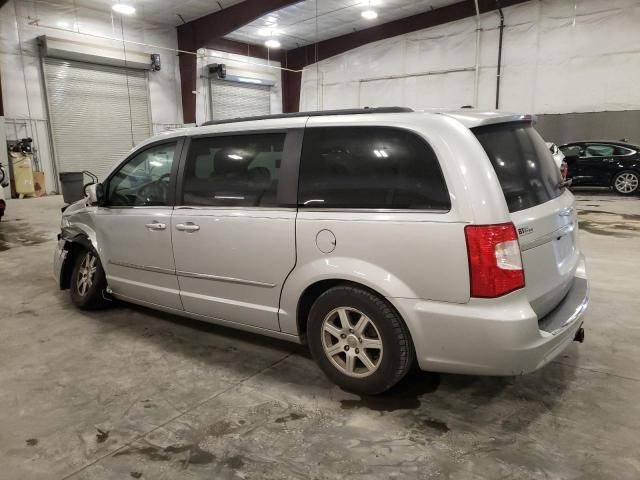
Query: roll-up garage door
point(237, 99)
point(98, 113)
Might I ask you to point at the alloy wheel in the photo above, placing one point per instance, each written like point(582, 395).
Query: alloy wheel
point(352, 342)
point(86, 273)
point(626, 182)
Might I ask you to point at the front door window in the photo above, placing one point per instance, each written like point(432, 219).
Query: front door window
point(144, 179)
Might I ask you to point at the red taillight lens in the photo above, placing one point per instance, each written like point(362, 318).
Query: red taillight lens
point(495, 263)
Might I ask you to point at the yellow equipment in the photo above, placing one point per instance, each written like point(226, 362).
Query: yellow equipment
point(22, 173)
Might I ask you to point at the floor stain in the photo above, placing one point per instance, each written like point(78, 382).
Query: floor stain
point(436, 425)
point(404, 396)
point(235, 462)
point(220, 428)
point(186, 454)
point(291, 417)
point(32, 442)
point(135, 474)
point(17, 234)
point(610, 224)
point(102, 435)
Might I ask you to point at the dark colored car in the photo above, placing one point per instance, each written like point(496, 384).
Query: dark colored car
point(4, 181)
point(604, 164)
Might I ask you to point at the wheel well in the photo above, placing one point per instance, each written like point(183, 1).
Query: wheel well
point(74, 248)
point(313, 291)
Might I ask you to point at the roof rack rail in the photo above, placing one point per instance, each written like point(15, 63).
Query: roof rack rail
point(314, 113)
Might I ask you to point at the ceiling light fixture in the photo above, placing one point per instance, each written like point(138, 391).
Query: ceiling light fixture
point(123, 9)
point(272, 43)
point(369, 14)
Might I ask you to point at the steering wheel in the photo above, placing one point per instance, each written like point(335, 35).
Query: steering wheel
point(155, 192)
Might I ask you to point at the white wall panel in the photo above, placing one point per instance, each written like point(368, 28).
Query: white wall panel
point(559, 56)
point(22, 87)
point(379, 93)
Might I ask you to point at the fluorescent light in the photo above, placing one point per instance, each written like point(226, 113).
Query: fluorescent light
point(377, 153)
point(155, 163)
point(63, 24)
point(369, 14)
point(124, 9)
point(233, 156)
point(384, 154)
point(272, 43)
point(249, 80)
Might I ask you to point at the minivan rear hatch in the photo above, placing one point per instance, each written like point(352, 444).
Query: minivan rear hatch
point(541, 208)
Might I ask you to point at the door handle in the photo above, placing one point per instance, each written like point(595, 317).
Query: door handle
point(187, 227)
point(156, 226)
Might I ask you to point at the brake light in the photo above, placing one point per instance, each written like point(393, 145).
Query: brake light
point(495, 263)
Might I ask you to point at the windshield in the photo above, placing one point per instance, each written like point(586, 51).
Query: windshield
point(523, 163)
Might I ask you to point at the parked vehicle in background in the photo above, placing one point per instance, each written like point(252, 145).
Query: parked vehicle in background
point(4, 182)
point(558, 157)
point(381, 237)
point(604, 164)
point(556, 153)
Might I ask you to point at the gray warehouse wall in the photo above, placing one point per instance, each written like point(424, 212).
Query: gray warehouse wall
point(569, 127)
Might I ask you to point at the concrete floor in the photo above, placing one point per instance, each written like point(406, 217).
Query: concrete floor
point(131, 393)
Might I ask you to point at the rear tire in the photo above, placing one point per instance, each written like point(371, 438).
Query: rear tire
point(359, 340)
point(88, 282)
point(626, 183)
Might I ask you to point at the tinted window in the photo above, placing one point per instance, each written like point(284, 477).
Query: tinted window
point(144, 179)
point(572, 150)
point(525, 168)
point(239, 170)
point(596, 150)
point(623, 151)
point(370, 167)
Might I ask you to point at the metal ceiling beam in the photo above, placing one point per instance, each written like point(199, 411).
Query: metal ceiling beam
point(301, 57)
point(207, 32)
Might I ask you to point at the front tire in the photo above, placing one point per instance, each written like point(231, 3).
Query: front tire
point(626, 183)
point(359, 340)
point(88, 282)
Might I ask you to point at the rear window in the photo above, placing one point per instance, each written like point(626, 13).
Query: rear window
point(525, 168)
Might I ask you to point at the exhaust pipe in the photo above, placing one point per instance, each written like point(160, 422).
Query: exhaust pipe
point(579, 335)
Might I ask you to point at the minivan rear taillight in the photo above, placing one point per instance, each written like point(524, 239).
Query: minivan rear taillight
point(495, 263)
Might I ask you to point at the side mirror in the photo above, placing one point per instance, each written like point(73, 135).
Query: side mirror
point(95, 193)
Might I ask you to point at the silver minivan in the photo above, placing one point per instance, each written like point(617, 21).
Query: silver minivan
point(383, 238)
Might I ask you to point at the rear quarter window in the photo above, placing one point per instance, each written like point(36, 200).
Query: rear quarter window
point(370, 168)
point(525, 168)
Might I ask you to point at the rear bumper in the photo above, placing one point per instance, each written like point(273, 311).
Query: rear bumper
point(493, 337)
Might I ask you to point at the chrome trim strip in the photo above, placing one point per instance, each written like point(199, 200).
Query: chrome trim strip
point(218, 278)
point(218, 207)
point(143, 267)
point(373, 210)
point(560, 232)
